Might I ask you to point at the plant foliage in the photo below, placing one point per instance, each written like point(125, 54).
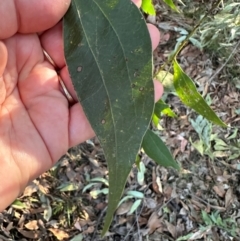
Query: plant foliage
point(110, 63)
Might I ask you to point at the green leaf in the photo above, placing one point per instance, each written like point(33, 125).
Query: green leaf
point(159, 107)
point(18, 204)
point(157, 150)
point(90, 185)
point(219, 221)
point(220, 145)
point(68, 186)
point(47, 214)
point(78, 237)
point(234, 134)
point(166, 78)
point(100, 179)
point(186, 237)
point(140, 173)
point(110, 63)
point(155, 120)
point(171, 5)
point(148, 7)
point(237, 111)
point(189, 95)
point(162, 107)
point(135, 194)
point(138, 161)
point(204, 129)
point(124, 199)
point(199, 146)
point(135, 205)
point(207, 220)
point(94, 193)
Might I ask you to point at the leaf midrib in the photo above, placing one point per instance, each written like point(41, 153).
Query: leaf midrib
point(114, 127)
point(122, 51)
point(99, 68)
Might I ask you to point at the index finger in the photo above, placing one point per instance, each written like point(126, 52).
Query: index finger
point(26, 16)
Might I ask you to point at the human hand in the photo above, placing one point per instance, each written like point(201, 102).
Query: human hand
point(37, 125)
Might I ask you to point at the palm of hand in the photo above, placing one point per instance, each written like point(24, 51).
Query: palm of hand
point(33, 110)
point(34, 113)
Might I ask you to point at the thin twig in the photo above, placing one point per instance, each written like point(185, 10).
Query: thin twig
point(98, 222)
point(136, 222)
point(210, 205)
point(228, 59)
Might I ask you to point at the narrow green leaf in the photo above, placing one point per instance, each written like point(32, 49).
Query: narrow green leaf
point(100, 179)
point(124, 199)
point(138, 161)
point(155, 120)
point(155, 148)
point(135, 194)
point(148, 7)
point(47, 214)
point(135, 205)
point(186, 237)
point(90, 185)
point(67, 187)
point(94, 193)
point(171, 5)
point(110, 63)
point(18, 204)
point(189, 95)
point(216, 218)
point(78, 237)
point(140, 174)
point(140, 178)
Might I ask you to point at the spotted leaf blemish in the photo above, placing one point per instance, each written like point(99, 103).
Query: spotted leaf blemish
point(79, 68)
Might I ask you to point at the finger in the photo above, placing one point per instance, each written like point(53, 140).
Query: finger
point(158, 90)
point(68, 82)
point(3, 63)
point(3, 58)
point(8, 13)
point(138, 3)
point(52, 43)
point(30, 16)
point(80, 129)
point(154, 34)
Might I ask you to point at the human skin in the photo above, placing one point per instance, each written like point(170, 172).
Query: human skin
point(37, 126)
